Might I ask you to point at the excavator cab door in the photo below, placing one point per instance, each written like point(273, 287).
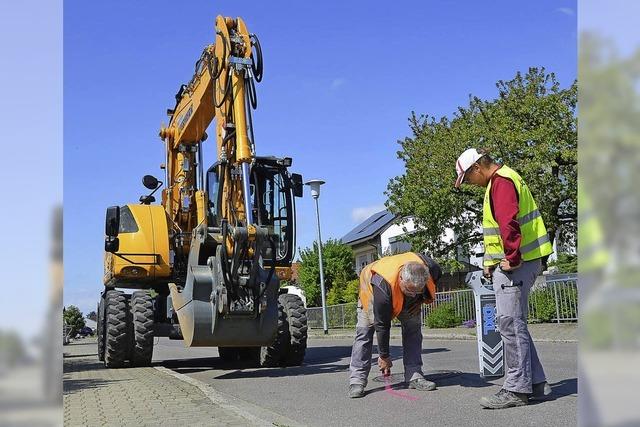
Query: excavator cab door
point(273, 192)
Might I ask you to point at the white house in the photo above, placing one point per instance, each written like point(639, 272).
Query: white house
point(383, 233)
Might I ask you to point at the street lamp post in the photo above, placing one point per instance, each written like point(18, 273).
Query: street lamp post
point(315, 193)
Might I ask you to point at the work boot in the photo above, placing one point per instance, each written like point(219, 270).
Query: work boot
point(541, 391)
point(356, 390)
point(422, 384)
point(504, 399)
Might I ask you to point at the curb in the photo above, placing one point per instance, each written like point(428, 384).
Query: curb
point(254, 414)
point(451, 337)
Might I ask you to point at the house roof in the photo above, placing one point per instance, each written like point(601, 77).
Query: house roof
point(371, 227)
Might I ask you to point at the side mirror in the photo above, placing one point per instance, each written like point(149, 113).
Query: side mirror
point(112, 222)
point(296, 184)
point(150, 182)
point(111, 244)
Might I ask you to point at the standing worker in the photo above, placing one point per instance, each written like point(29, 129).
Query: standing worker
point(515, 240)
point(394, 286)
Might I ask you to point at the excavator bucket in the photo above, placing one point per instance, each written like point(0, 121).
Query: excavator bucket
point(200, 308)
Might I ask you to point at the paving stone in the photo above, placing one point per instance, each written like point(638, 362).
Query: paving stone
point(96, 396)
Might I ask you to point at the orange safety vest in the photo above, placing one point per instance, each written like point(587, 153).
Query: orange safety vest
point(389, 268)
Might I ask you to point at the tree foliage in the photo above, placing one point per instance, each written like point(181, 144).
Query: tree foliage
point(338, 262)
point(74, 319)
point(530, 126)
point(92, 316)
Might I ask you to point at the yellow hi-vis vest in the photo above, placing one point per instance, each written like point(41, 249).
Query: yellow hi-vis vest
point(535, 241)
point(389, 268)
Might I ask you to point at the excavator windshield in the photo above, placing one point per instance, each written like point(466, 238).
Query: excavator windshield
point(273, 207)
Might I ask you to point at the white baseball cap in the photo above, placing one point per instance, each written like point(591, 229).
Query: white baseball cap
point(464, 162)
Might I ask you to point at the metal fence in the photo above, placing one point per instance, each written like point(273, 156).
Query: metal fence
point(552, 299)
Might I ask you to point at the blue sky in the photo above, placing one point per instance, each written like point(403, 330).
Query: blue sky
point(341, 79)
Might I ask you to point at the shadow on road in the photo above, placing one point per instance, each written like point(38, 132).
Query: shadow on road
point(318, 360)
point(237, 370)
point(563, 388)
point(463, 379)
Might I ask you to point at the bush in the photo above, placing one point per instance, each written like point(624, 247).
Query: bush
point(334, 296)
point(544, 305)
point(351, 291)
point(566, 263)
point(443, 316)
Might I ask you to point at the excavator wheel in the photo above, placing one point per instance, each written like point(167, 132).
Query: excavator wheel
point(118, 325)
point(297, 321)
point(100, 328)
point(274, 354)
point(142, 316)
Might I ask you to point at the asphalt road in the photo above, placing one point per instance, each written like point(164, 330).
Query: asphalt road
point(315, 394)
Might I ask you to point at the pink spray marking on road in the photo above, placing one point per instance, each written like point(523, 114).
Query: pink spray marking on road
point(388, 389)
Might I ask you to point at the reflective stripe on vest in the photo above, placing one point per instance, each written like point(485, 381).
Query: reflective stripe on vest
point(535, 242)
point(495, 231)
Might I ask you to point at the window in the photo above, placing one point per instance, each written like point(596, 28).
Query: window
point(212, 190)
point(127, 221)
point(272, 204)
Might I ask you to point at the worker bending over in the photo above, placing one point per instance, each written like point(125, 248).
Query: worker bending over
point(392, 287)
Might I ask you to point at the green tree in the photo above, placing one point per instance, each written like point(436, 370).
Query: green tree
point(338, 261)
point(351, 291)
point(93, 316)
point(530, 126)
point(74, 319)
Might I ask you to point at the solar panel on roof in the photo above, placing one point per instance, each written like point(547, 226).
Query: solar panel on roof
point(369, 227)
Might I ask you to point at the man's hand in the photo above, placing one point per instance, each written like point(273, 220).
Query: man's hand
point(384, 363)
point(506, 266)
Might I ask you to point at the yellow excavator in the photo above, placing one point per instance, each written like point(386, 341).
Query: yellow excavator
point(205, 264)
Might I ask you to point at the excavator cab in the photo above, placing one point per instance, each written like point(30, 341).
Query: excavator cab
point(273, 193)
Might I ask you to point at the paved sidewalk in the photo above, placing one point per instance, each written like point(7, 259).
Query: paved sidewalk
point(541, 332)
point(96, 396)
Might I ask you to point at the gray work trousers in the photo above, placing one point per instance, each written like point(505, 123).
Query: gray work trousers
point(512, 293)
point(360, 365)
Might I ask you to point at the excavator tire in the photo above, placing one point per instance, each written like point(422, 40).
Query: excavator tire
point(118, 325)
point(142, 316)
point(273, 355)
point(297, 321)
point(100, 326)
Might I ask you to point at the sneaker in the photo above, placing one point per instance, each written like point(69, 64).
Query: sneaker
point(422, 384)
point(356, 390)
point(541, 391)
point(504, 399)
